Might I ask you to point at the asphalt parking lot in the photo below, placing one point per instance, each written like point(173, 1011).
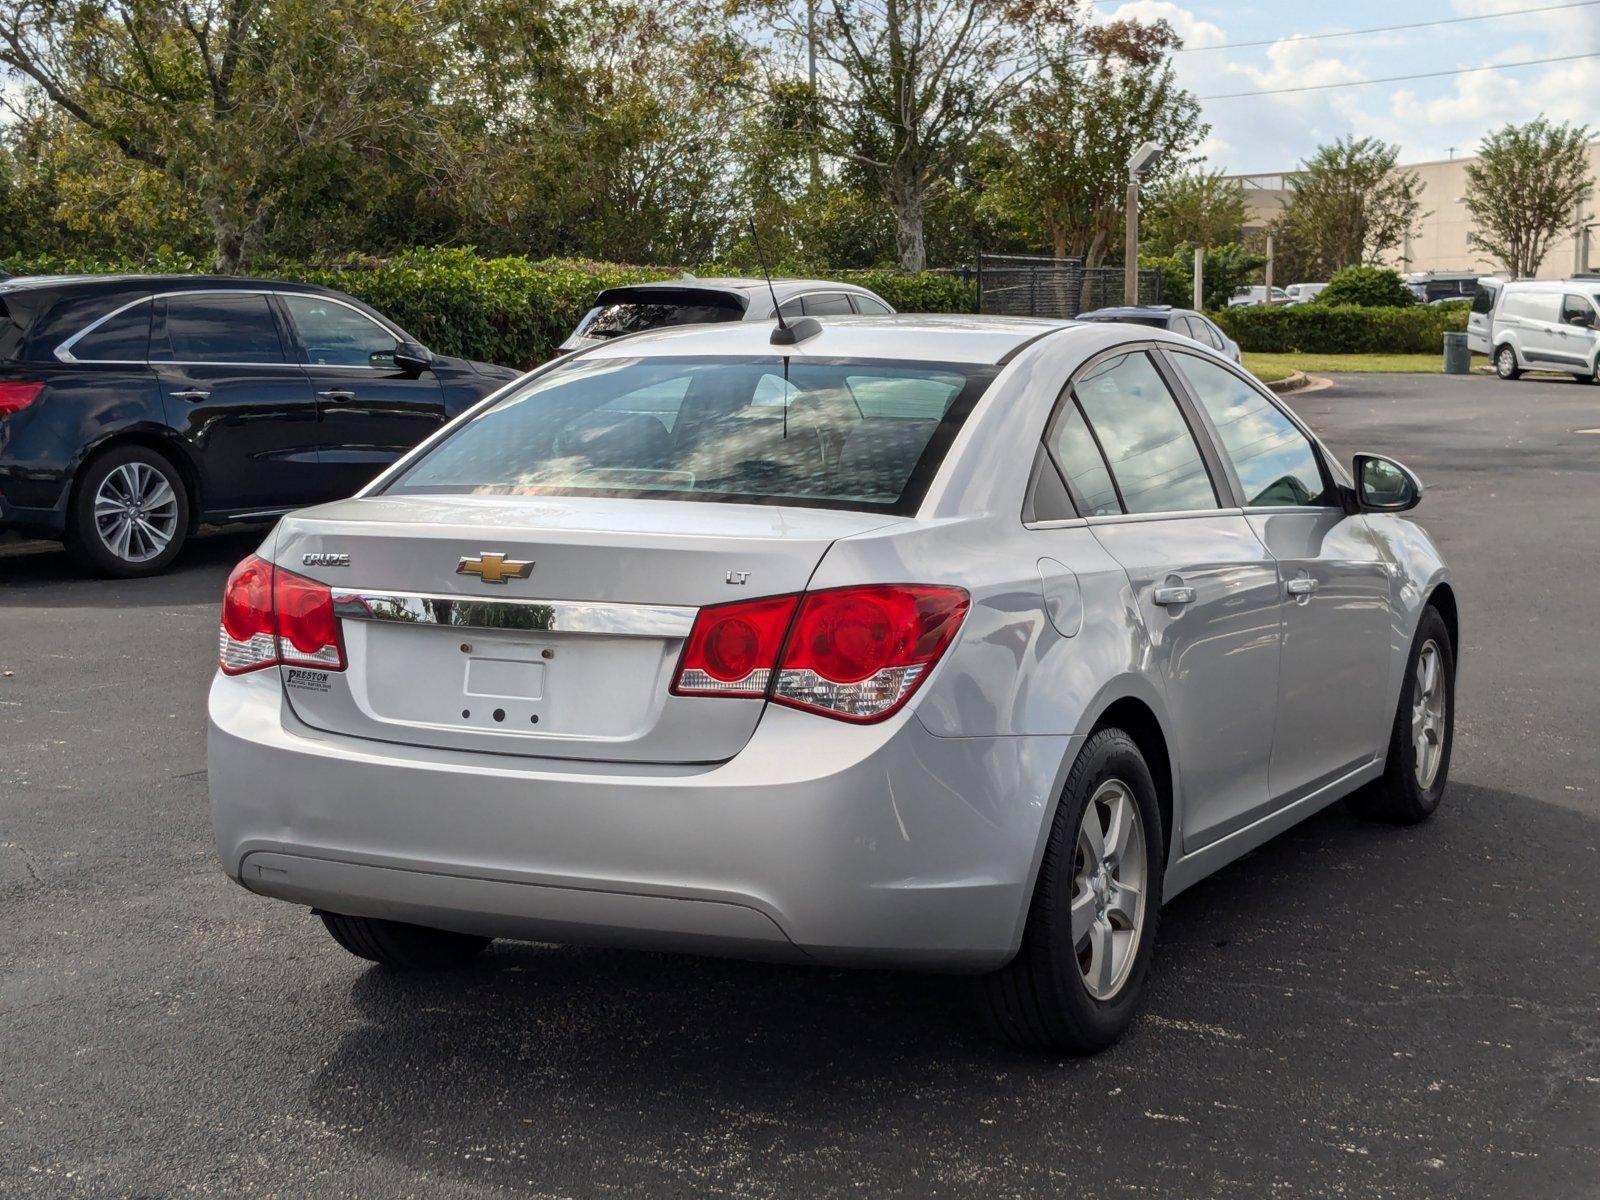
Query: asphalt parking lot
point(1351, 1011)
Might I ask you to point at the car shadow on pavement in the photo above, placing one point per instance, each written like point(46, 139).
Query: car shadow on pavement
point(43, 573)
point(1349, 997)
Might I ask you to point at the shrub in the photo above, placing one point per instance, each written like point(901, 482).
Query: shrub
point(509, 310)
point(1342, 329)
point(1367, 287)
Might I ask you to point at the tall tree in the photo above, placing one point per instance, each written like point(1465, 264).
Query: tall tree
point(1076, 127)
point(906, 87)
point(233, 102)
point(1350, 206)
point(1194, 208)
point(1525, 189)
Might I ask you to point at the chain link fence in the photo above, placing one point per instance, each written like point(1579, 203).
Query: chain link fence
point(1023, 285)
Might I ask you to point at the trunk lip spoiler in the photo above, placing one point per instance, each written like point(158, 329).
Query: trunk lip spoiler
point(458, 611)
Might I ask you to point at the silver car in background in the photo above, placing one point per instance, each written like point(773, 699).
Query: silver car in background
point(958, 644)
point(637, 307)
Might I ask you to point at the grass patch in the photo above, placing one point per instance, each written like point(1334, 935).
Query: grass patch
point(1268, 367)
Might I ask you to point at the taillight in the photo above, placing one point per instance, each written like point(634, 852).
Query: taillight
point(272, 616)
point(14, 397)
point(732, 648)
point(855, 653)
point(858, 653)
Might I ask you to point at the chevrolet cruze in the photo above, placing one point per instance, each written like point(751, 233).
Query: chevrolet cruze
point(956, 644)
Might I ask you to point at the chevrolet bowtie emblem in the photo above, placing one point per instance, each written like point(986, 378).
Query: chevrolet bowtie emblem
point(494, 567)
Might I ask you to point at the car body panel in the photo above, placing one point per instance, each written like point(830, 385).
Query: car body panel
point(913, 841)
point(1530, 317)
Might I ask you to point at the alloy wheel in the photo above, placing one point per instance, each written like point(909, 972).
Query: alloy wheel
point(136, 512)
point(1506, 362)
point(1428, 703)
point(1108, 893)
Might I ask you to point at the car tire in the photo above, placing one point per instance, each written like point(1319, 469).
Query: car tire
point(1046, 999)
point(1414, 775)
point(406, 947)
point(1505, 363)
point(129, 514)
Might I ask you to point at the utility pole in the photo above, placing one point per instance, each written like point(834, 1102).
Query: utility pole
point(811, 82)
point(1199, 279)
point(1267, 299)
point(1580, 240)
point(1142, 158)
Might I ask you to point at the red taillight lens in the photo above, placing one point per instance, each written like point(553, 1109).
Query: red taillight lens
point(14, 397)
point(733, 647)
point(272, 616)
point(858, 653)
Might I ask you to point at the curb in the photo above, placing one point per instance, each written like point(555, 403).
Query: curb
point(1291, 383)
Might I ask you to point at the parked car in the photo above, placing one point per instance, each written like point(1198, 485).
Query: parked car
point(1301, 293)
point(1182, 321)
point(690, 301)
point(1547, 327)
point(1247, 297)
point(1429, 286)
point(132, 408)
point(955, 643)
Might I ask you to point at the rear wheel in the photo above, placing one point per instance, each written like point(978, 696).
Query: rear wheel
point(129, 514)
point(1075, 983)
point(1418, 764)
point(1505, 363)
point(408, 947)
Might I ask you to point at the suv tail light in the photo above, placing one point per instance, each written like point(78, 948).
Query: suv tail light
point(14, 397)
point(272, 616)
point(854, 653)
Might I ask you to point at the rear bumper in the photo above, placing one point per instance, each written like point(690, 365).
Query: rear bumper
point(820, 841)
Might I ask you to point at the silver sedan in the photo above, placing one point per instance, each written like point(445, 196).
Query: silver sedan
point(957, 644)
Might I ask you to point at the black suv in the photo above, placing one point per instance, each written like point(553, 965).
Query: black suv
point(132, 408)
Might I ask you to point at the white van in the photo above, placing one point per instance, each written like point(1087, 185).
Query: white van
point(1546, 327)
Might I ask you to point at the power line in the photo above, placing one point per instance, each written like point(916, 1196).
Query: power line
point(1316, 37)
point(1322, 87)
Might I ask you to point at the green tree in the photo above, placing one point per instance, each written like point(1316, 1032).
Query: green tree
point(1524, 190)
point(1367, 287)
point(234, 103)
point(1197, 208)
point(907, 87)
point(1076, 127)
point(1228, 268)
point(1350, 206)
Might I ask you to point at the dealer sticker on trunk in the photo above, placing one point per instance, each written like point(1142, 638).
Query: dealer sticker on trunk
point(306, 681)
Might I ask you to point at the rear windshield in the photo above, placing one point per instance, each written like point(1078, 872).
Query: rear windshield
point(819, 433)
point(1483, 298)
point(623, 311)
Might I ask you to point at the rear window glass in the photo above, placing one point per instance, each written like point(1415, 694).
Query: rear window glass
point(626, 311)
point(823, 433)
point(1483, 298)
point(122, 337)
point(217, 327)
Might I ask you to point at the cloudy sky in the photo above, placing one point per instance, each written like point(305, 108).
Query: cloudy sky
point(1427, 117)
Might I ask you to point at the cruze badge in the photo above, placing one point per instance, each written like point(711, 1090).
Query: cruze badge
point(494, 567)
point(325, 559)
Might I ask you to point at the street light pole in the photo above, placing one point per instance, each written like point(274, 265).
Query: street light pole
point(1141, 159)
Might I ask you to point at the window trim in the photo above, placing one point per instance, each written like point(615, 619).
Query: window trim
point(1330, 479)
point(63, 352)
point(1203, 438)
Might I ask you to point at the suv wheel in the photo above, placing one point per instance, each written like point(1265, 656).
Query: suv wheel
point(130, 514)
point(1505, 363)
point(1075, 983)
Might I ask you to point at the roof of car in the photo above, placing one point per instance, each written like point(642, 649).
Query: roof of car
point(952, 338)
point(738, 283)
point(130, 282)
point(1121, 311)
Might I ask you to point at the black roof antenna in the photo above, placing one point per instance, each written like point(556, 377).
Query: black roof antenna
point(786, 334)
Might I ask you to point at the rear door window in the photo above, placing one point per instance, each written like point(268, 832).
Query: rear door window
point(216, 327)
point(1145, 438)
point(840, 433)
point(122, 337)
point(827, 304)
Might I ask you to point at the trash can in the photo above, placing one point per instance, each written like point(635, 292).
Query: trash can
point(1457, 358)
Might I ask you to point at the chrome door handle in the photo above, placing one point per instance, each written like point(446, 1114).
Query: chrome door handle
point(1302, 586)
point(336, 396)
point(191, 394)
point(1170, 597)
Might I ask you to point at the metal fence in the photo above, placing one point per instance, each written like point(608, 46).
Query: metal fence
point(1023, 285)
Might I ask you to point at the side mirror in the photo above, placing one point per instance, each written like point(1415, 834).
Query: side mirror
point(412, 358)
point(1383, 485)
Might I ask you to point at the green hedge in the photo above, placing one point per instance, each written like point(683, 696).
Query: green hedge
point(507, 310)
point(1342, 328)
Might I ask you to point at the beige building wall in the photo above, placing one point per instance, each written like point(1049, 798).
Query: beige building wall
point(1440, 242)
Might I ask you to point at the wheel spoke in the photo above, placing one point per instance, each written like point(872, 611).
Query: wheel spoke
point(1091, 838)
point(123, 535)
point(1102, 958)
point(1123, 904)
point(160, 494)
point(1120, 826)
point(1083, 915)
